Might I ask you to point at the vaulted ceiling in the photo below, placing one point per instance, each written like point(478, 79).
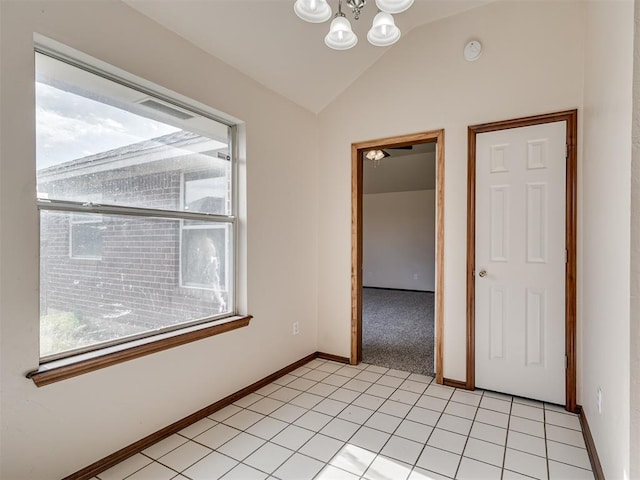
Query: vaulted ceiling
point(265, 40)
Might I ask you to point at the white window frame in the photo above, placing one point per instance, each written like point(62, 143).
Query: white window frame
point(228, 243)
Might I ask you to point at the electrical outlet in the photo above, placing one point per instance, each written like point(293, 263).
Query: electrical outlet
point(599, 400)
point(415, 276)
point(296, 328)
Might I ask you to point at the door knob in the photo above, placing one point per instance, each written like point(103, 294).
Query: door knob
point(483, 273)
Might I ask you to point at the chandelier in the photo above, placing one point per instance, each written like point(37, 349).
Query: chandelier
point(383, 32)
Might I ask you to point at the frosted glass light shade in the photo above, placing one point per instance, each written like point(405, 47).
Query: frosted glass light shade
point(340, 36)
point(312, 11)
point(394, 6)
point(375, 155)
point(383, 31)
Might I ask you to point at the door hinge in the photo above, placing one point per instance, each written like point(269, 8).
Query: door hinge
point(566, 362)
point(566, 150)
point(566, 256)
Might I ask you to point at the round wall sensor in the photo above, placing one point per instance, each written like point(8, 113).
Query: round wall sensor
point(472, 50)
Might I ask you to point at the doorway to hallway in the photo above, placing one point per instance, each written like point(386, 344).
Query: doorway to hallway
point(397, 252)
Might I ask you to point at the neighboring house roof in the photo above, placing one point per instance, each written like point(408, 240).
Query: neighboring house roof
point(165, 147)
point(206, 204)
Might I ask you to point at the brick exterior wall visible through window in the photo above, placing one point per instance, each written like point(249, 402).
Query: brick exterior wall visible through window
point(134, 283)
point(136, 279)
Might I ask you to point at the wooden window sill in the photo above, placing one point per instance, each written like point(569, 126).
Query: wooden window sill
point(58, 370)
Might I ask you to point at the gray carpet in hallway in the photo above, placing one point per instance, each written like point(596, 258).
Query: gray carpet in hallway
point(397, 329)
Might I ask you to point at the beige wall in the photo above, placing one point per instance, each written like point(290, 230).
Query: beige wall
point(605, 253)
point(634, 336)
point(532, 63)
point(399, 240)
point(53, 431)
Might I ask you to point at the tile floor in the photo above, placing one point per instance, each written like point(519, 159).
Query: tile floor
point(328, 421)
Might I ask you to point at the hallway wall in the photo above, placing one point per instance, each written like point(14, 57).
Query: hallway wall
point(399, 240)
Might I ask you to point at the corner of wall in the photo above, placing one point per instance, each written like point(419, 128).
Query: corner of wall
point(634, 336)
point(606, 232)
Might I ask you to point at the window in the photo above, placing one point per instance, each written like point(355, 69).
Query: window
point(136, 200)
point(85, 237)
point(202, 258)
point(203, 254)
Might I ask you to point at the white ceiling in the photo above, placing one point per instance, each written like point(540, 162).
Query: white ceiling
point(265, 40)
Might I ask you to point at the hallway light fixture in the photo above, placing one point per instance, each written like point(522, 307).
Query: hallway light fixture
point(375, 156)
point(383, 32)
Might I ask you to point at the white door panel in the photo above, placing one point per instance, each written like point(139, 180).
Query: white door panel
point(520, 244)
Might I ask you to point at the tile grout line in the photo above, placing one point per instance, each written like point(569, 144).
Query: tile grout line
point(442, 412)
point(468, 433)
point(158, 460)
point(310, 410)
point(412, 405)
point(270, 475)
point(506, 440)
point(384, 399)
point(546, 445)
point(395, 429)
point(511, 401)
point(440, 416)
point(377, 410)
point(333, 417)
point(153, 460)
point(232, 438)
point(426, 443)
point(289, 425)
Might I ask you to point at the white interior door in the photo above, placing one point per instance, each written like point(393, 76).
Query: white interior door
point(520, 261)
